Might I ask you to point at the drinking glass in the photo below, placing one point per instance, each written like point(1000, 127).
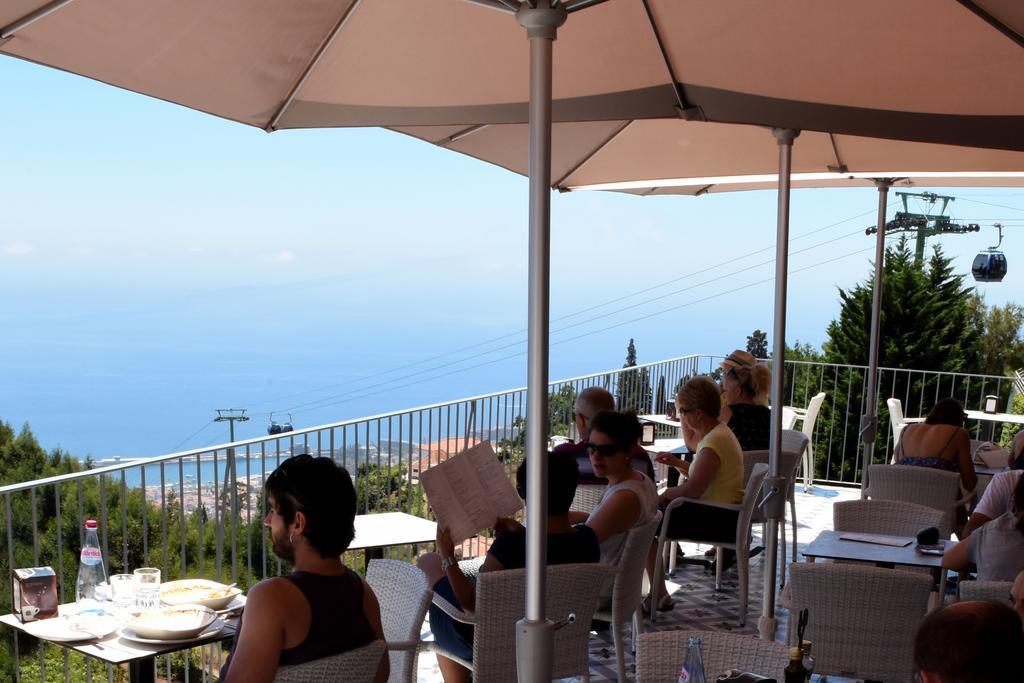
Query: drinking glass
point(147, 595)
point(122, 593)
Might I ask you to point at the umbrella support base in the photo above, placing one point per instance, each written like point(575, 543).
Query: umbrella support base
point(766, 627)
point(535, 645)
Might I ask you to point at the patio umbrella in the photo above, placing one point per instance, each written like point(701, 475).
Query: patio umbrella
point(310, 63)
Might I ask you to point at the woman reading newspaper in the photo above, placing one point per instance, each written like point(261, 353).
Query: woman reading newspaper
point(567, 544)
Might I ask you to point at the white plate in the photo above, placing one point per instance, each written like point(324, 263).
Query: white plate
point(69, 628)
point(128, 634)
point(235, 605)
point(175, 622)
point(195, 592)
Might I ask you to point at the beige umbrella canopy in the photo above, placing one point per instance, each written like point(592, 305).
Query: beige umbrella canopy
point(925, 70)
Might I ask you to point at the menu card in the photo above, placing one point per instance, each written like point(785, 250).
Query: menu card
point(469, 490)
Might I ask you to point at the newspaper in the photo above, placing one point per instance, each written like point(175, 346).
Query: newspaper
point(469, 490)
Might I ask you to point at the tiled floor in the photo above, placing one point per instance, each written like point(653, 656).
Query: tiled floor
point(698, 605)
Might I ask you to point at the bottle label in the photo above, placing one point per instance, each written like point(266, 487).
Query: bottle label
point(91, 555)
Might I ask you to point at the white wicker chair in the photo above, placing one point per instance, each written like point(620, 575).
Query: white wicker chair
point(922, 485)
point(404, 597)
point(354, 666)
point(627, 590)
point(896, 422)
point(994, 591)
point(740, 543)
point(572, 589)
point(892, 517)
point(794, 446)
point(587, 497)
point(862, 619)
point(660, 656)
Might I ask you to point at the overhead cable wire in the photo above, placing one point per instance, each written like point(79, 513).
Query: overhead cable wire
point(191, 436)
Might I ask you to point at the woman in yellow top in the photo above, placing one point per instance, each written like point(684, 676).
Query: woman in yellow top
point(716, 473)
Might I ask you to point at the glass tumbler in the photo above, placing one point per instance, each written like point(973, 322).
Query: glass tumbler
point(122, 593)
point(147, 588)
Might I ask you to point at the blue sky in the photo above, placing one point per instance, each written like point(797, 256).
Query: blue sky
point(157, 263)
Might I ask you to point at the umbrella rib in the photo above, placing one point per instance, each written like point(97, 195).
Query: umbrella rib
point(993, 21)
point(317, 56)
point(32, 17)
point(840, 167)
point(558, 183)
point(464, 133)
point(686, 111)
point(500, 5)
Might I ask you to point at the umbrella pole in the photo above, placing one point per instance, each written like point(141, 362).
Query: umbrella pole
point(774, 500)
point(535, 633)
point(869, 420)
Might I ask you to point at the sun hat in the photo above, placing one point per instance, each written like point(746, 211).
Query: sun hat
point(739, 359)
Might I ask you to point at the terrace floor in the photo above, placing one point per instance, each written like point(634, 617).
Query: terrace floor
point(698, 605)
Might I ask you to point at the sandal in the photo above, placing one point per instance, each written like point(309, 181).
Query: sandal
point(666, 604)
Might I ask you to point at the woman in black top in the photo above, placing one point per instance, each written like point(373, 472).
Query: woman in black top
point(745, 384)
point(567, 544)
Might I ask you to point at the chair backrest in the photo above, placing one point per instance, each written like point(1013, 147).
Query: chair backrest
point(628, 585)
point(750, 500)
point(813, 408)
point(659, 656)
point(587, 497)
point(892, 517)
point(571, 589)
point(895, 421)
point(922, 485)
point(994, 591)
point(357, 666)
point(404, 596)
point(862, 619)
point(794, 444)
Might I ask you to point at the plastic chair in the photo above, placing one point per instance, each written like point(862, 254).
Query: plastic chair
point(922, 485)
point(810, 417)
point(794, 445)
point(897, 423)
point(862, 619)
point(740, 543)
point(993, 591)
point(659, 656)
point(357, 666)
point(627, 589)
point(404, 597)
point(573, 591)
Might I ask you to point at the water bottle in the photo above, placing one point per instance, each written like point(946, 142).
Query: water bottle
point(693, 665)
point(91, 572)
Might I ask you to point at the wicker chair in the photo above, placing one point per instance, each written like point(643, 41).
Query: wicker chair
point(892, 517)
point(794, 446)
point(922, 485)
point(660, 656)
point(627, 589)
point(356, 666)
point(740, 543)
point(572, 589)
point(587, 497)
point(404, 597)
point(863, 619)
point(994, 591)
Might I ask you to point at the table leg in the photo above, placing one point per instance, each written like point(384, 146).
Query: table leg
point(142, 670)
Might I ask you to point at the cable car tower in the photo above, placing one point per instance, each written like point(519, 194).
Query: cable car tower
point(927, 224)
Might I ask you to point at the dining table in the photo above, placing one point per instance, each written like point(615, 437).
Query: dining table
point(118, 650)
point(380, 530)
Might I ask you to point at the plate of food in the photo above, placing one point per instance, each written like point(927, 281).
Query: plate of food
point(71, 627)
point(128, 633)
point(171, 622)
point(198, 592)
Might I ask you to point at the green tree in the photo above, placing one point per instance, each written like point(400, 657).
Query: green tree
point(634, 387)
point(1001, 347)
point(757, 344)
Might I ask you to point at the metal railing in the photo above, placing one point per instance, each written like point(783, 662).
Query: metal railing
point(199, 512)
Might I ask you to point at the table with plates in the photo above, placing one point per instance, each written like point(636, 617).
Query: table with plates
point(116, 645)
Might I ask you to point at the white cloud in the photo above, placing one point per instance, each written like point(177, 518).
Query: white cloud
point(284, 256)
point(17, 249)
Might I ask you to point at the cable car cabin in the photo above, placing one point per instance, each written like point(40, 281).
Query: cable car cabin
point(277, 428)
point(989, 266)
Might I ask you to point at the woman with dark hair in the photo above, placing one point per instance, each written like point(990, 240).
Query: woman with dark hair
point(997, 548)
point(322, 608)
point(567, 544)
point(941, 442)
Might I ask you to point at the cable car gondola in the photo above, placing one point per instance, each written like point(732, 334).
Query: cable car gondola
point(990, 265)
point(279, 427)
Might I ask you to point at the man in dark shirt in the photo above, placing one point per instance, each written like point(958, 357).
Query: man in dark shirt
point(589, 403)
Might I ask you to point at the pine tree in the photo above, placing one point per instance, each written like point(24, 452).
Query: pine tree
point(757, 344)
point(634, 387)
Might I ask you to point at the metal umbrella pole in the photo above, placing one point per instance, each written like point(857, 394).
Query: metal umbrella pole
point(869, 420)
point(774, 500)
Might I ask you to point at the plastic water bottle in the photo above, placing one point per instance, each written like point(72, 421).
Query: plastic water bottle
point(693, 665)
point(91, 572)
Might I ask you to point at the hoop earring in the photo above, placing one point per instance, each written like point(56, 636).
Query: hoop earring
point(290, 538)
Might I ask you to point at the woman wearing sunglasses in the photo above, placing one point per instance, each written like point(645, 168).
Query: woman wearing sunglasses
point(631, 499)
point(716, 473)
